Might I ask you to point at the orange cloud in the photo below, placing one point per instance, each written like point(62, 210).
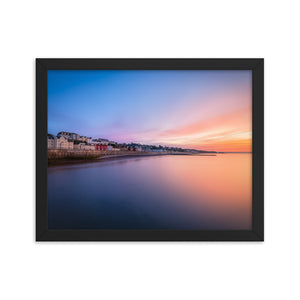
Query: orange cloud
point(231, 132)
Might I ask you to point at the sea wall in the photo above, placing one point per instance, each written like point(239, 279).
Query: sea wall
point(55, 154)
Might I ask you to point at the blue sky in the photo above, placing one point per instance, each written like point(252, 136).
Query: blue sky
point(140, 105)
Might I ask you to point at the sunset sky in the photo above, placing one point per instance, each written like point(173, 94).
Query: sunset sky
point(208, 110)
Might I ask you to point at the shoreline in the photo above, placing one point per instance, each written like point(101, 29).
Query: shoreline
point(72, 161)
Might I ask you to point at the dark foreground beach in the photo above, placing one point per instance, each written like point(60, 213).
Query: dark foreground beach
point(67, 157)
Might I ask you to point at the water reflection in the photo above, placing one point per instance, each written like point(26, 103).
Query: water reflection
point(163, 192)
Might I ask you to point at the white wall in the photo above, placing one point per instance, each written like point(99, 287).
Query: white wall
point(156, 28)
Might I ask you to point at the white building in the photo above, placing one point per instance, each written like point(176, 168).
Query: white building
point(52, 141)
point(74, 136)
point(100, 141)
point(69, 135)
point(89, 147)
point(83, 138)
point(64, 143)
point(83, 146)
point(59, 142)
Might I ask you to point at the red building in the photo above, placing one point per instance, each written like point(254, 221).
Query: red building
point(101, 147)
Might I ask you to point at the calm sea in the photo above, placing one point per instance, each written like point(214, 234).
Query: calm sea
point(155, 192)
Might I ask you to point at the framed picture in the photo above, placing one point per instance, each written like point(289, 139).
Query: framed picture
point(149, 149)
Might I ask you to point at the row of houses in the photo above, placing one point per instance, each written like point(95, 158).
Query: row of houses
point(104, 147)
point(59, 142)
point(75, 137)
point(73, 141)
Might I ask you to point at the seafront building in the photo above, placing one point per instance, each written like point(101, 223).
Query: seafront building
point(74, 141)
point(51, 141)
point(100, 147)
point(83, 146)
point(100, 141)
point(59, 142)
point(69, 135)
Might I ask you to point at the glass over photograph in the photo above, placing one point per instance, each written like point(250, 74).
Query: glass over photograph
point(150, 150)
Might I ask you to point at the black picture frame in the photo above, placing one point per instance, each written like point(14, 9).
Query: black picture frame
point(254, 64)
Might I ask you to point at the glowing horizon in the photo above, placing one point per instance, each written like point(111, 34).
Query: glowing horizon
point(203, 110)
